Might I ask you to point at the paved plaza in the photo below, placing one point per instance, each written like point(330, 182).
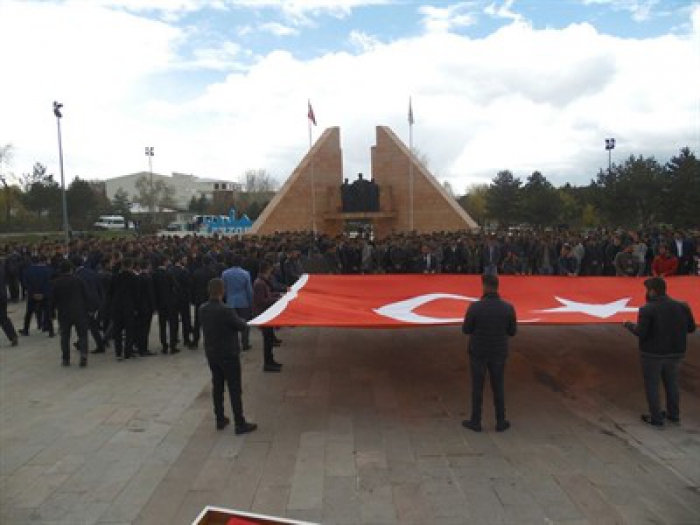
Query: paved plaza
point(360, 427)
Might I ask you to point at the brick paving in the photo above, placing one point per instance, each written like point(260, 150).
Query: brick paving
point(360, 427)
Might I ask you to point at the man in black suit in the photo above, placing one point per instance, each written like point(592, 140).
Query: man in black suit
point(200, 282)
point(221, 325)
point(5, 322)
point(125, 294)
point(490, 322)
point(183, 280)
point(144, 308)
point(683, 249)
point(662, 328)
point(69, 298)
point(164, 288)
point(94, 294)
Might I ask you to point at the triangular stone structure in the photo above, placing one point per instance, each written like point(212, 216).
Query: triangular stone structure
point(393, 167)
point(292, 207)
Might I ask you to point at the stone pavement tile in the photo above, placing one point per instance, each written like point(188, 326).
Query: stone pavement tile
point(271, 499)
point(191, 505)
point(340, 459)
point(410, 503)
point(340, 500)
point(38, 491)
point(589, 499)
point(340, 427)
point(307, 482)
point(70, 507)
point(305, 515)
point(377, 506)
point(127, 504)
point(484, 506)
point(244, 479)
point(12, 485)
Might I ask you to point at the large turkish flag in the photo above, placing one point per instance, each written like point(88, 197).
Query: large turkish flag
point(400, 301)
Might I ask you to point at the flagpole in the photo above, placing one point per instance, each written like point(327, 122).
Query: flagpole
point(410, 165)
point(313, 182)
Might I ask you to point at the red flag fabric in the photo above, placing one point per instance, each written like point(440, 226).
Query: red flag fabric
point(402, 301)
point(311, 115)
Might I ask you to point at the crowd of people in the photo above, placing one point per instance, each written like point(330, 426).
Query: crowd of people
point(113, 289)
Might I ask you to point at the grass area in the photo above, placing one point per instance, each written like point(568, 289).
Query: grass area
point(41, 237)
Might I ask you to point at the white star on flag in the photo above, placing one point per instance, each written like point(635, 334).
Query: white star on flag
point(602, 311)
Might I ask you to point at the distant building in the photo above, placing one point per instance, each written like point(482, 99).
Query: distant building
point(185, 186)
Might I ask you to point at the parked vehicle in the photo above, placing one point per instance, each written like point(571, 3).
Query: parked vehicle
point(112, 222)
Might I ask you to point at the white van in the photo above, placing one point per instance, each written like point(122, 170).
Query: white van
point(111, 222)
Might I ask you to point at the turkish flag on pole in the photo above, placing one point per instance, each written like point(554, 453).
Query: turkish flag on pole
point(403, 301)
point(311, 115)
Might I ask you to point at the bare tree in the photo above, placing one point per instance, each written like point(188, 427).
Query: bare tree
point(6, 154)
point(258, 181)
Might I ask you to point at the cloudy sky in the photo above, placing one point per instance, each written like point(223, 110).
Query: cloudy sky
point(221, 86)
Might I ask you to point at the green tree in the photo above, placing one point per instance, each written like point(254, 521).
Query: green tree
point(681, 189)
point(156, 196)
point(540, 201)
point(83, 204)
point(121, 204)
point(474, 202)
point(199, 205)
point(503, 198)
point(42, 194)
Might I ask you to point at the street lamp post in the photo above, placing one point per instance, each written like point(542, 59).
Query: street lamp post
point(609, 145)
point(149, 154)
point(57, 112)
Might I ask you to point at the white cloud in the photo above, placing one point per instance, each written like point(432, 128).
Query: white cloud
point(443, 19)
point(505, 10)
point(362, 41)
point(641, 10)
point(278, 29)
point(520, 99)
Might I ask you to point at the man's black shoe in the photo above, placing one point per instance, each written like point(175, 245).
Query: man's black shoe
point(174, 350)
point(647, 419)
point(83, 362)
point(65, 362)
point(272, 367)
point(164, 350)
point(222, 423)
point(277, 343)
point(472, 425)
point(120, 358)
point(52, 334)
point(674, 420)
point(15, 342)
point(98, 350)
point(502, 426)
point(247, 347)
point(245, 428)
point(23, 332)
point(147, 353)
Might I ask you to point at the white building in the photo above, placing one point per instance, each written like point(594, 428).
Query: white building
point(185, 186)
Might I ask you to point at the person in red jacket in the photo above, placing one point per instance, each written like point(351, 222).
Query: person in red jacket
point(664, 264)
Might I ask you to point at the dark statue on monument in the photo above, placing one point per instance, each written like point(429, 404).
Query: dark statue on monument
point(360, 196)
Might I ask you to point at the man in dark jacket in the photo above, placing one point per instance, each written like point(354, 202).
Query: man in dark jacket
point(164, 288)
point(5, 322)
point(183, 280)
point(200, 282)
point(490, 322)
point(94, 294)
point(38, 283)
point(662, 327)
point(221, 325)
point(125, 294)
point(69, 298)
point(145, 307)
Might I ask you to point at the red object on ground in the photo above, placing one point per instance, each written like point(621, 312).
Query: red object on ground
point(402, 301)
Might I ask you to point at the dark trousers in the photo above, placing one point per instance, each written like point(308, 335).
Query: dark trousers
point(65, 325)
point(5, 322)
point(495, 365)
point(227, 371)
point(662, 370)
point(143, 330)
point(124, 331)
point(268, 334)
point(197, 326)
point(43, 314)
point(167, 323)
point(94, 328)
point(13, 286)
point(185, 316)
point(247, 314)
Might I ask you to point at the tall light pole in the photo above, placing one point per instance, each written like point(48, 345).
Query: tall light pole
point(609, 145)
point(57, 112)
point(149, 154)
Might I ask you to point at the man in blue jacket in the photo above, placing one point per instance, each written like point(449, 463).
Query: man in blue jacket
point(37, 279)
point(239, 294)
point(662, 328)
point(490, 322)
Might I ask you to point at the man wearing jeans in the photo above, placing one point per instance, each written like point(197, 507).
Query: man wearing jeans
point(662, 327)
point(239, 294)
point(490, 322)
